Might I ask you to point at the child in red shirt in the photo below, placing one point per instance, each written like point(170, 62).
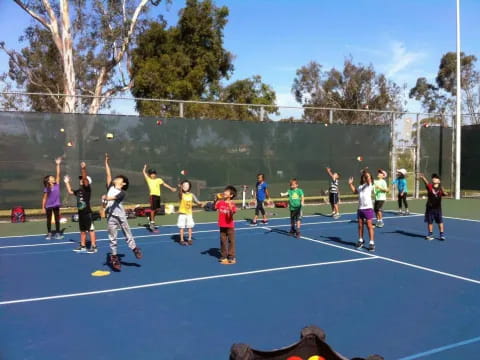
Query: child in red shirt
point(226, 209)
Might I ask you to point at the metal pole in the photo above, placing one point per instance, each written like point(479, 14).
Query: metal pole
point(417, 157)
point(458, 132)
point(393, 159)
point(262, 113)
point(330, 116)
point(180, 110)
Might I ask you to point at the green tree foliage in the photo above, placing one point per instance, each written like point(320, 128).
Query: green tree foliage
point(355, 87)
point(440, 97)
point(188, 62)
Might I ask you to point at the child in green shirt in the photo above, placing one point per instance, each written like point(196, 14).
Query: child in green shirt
point(380, 189)
point(296, 202)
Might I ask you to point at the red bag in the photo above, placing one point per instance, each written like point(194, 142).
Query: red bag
point(281, 204)
point(18, 215)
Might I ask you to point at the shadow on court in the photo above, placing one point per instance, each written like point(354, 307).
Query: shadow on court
point(338, 240)
point(214, 252)
point(406, 233)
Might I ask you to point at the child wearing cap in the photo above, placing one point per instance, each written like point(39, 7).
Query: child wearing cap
point(433, 211)
point(85, 221)
point(154, 185)
point(401, 183)
point(380, 188)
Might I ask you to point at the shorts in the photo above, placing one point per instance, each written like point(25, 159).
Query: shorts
point(185, 221)
point(296, 214)
point(432, 215)
point(333, 197)
point(85, 222)
point(378, 205)
point(154, 202)
point(365, 214)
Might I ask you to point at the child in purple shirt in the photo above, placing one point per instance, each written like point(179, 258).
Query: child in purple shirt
point(51, 201)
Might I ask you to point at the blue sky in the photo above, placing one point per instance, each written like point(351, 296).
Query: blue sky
point(403, 39)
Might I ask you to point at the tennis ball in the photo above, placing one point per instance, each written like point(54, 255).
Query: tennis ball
point(359, 158)
point(62, 130)
point(109, 136)
point(159, 122)
point(69, 144)
point(316, 357)
point(183, 172)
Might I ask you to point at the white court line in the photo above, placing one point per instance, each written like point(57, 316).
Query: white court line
point(195, 232)
point(397, 261)
point(63, 296)
point(167, 225)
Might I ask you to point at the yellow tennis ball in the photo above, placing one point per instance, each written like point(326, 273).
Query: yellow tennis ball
point(109, 136)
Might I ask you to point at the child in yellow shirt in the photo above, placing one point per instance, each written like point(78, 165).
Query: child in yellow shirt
point(185, 211)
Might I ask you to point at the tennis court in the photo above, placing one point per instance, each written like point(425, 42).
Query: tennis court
point(411, 299)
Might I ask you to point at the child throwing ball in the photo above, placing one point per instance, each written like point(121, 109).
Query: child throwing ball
point(185, 211)
point(365, 213)
point(51, 201)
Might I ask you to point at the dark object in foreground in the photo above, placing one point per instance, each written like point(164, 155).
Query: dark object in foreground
point(312, 345)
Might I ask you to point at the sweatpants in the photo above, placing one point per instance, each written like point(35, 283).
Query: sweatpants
point(115, 222)
point(402, 198)
point(227, 243)
point(56, 213)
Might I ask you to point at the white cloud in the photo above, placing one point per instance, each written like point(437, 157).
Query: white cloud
point(402, 59)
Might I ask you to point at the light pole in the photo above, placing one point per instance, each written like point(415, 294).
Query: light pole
point(458, 127)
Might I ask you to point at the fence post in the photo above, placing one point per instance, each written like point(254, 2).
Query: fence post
point(180, 110)
point(262, 113)
point(417, 158)
point(330, 116)
point(393, 159)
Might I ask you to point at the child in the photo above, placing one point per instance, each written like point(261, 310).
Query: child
point(51, 201)
point(333, 192)
point(154, 185)
point(226, 209)
point(380, 189)
point(401, 183)
point(116, 217)
point(365, 213)
point(296, 201)
point(433, 210)
point(261, 193)
point(185, 218)
point(85, 221)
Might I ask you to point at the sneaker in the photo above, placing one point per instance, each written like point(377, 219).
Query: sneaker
point(429, 237)
point(138, 253)
point(223, 261)
point(49, 236)
point(292, 231)
point(400, 212)
point(80, 249)
point(183, 243)
point(92, 250)
point(232, 261)
point(407, 212)
point(379, 224)
point(153, 228)
point(336, 216)
point(190, 242)
point(253, 223)
point(297, 234)
point(115, 262)
point(359, 244)
point(371, 247)
point(265, 222)
point(58, 236)
point(442, 237)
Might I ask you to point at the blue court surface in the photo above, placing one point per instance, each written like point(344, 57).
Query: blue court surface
point(411, 299)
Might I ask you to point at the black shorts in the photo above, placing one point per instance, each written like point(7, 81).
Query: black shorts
point(296, 215)
point(432, 215)
point(378, 205)
point(85, 222)
point(154, 202)
point(333, 197)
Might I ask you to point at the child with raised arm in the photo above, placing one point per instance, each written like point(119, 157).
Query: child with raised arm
point(401, 183)
point(433, 211)
point(333, 193)
point(116, 217)
point(296, 201)
point(261, 194)
point(226, 209)
point(185, 211)
point(365, 213)
point(85, 221)
point(51, 201)
point(380, 189)
point(154, 185)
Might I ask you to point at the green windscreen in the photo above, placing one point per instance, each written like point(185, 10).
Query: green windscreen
point(470, 157)
point(212, 153)
point(436, 153)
